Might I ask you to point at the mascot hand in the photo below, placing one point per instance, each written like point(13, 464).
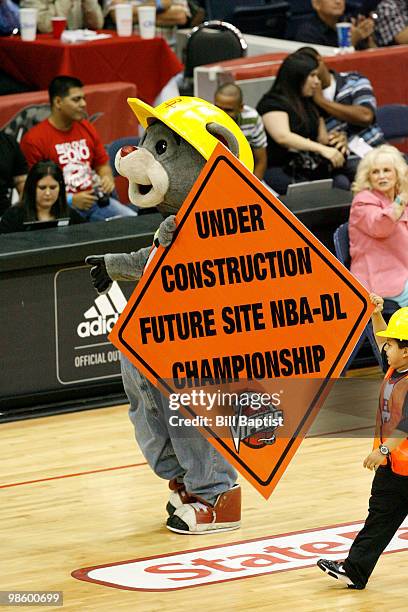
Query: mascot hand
point(164, 234)
point(100, 277)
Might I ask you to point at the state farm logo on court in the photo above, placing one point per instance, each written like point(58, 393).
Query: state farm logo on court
point(236, 561)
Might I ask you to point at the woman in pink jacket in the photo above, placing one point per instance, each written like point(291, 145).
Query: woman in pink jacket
point(378, 224)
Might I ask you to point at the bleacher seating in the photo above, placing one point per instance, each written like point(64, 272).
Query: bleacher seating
point(259, 17)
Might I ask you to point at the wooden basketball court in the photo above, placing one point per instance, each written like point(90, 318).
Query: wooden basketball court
point(76, 492)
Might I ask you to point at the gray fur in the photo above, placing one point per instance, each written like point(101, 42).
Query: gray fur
point(165, 232)
point(225, 136)
point(182, 162)
point(127, 266)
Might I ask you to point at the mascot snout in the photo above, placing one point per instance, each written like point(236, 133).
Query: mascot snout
point(180, 136)
point(148, 180)
point(126, 150)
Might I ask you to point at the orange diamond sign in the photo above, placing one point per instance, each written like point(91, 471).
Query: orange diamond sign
point(243, 321)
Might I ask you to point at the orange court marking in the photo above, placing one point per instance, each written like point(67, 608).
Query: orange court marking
point(37, 480)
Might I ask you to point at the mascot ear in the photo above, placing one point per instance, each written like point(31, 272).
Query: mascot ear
point(224, 135)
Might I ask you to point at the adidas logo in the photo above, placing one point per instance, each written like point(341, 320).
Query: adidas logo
point(102, 316)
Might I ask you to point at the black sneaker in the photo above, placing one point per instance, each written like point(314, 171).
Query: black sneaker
point(335, 569)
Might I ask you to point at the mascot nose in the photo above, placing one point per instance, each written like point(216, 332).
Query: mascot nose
point(126, 150)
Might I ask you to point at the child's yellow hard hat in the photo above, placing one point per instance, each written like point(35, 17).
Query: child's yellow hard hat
point(397, 325)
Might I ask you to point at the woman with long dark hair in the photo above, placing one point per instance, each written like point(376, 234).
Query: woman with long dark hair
point(43, 199)
point(293, 124)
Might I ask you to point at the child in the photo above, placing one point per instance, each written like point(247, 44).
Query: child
point(388, 504)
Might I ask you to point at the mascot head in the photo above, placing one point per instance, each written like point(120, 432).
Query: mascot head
point(180, 136)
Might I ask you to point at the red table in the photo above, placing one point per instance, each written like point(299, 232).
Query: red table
point(150, 64)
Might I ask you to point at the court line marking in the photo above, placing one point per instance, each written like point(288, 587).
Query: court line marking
point(339, 431)
point(124, 467)
point(109, 469)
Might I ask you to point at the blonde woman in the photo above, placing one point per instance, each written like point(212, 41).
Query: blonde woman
point(378, 224)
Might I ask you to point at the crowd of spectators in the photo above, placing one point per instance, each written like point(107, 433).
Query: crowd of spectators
point(382, 23)
point(67, 138)
point(168, 12)
point(306, 127)
point(320, 26)
point(78, 13)
point(299, 146)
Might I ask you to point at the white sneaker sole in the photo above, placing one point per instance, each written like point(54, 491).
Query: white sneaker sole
point(345, 579)
point(228, 527)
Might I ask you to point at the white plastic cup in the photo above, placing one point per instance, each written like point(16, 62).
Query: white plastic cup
point(344, 36)
point(147, 21)
point(124, 19)
point(28, 23)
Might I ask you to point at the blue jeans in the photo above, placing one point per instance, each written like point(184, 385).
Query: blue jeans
point(170, 451)
point(101, 213)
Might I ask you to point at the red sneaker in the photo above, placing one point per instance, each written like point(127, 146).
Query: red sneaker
point(198, 517)
point(178, 496)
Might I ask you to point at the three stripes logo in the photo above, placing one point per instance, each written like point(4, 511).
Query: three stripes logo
point(102, 316)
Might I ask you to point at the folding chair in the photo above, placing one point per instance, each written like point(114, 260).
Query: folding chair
point(393, 120)
point(210, 42)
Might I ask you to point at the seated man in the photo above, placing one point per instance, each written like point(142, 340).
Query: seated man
point(13, 170)
point(320, 28)
point(79, 13)
point(228, 97)
point(347, 102)
point(168, 12)
point(391, 27)
point(73, 143)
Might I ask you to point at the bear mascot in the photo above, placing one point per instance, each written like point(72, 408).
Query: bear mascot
point(180, 136)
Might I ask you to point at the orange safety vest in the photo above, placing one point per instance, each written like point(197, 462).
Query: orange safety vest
point(392, 397)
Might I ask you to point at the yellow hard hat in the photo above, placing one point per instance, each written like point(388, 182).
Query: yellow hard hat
point(189, 117)
point(397, 325)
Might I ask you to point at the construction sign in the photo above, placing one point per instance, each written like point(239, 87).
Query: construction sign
point(243, 321)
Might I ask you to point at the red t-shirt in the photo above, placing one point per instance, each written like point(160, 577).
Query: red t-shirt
point(77, 151)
